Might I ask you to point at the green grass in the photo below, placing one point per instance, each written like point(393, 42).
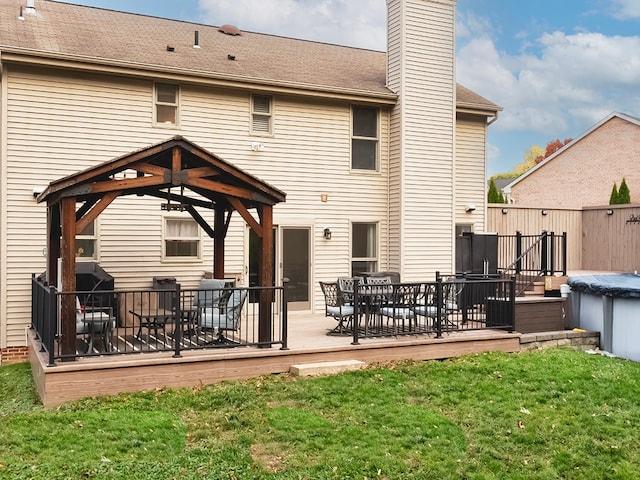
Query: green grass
point(540, 415)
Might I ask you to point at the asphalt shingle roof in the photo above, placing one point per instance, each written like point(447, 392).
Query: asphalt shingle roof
point(103, 36)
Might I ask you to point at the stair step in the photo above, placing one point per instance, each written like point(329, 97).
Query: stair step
point(325, 368)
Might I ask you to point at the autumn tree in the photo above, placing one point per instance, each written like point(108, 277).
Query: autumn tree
point(552, 147)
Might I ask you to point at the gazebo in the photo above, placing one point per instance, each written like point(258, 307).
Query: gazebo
point(188, 178)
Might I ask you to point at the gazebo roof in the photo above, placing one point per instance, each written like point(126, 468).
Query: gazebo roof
point(154, 170)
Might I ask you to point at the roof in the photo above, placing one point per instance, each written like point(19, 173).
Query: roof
point(176, 162)
point(623, 116)
point(95, 36)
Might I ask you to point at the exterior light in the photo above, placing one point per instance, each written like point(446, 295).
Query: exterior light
point(326, 234)
point(545, 212)
point(505, 211)
point(609, 212)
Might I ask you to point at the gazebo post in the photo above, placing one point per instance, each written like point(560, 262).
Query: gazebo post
point(68, 302)
point(266, 273)
point(218, 242)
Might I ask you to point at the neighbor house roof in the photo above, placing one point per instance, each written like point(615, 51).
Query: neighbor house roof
point(623, 116)
point(87, 36)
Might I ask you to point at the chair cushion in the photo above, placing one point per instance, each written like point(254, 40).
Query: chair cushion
point(398, 312)
point(209, 292)
point(344, 311)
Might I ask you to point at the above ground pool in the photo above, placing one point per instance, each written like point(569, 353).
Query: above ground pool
point(609, 304)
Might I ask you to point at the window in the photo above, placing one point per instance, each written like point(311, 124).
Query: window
point(364, 247)
point(261, 114)
point(86, 242)
point(181, 238)
point(166, 103)
point(364, 138)
point(463, 228)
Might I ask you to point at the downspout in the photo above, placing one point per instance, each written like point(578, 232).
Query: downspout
point(3, 203)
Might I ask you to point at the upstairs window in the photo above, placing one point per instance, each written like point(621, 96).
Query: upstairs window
point(181, 239)
point(261, 115)
point(364, 138)
point(166, 103)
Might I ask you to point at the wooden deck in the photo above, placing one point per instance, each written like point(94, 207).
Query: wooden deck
point(308, 343)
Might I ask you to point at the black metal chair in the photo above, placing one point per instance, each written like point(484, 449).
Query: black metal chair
point(336, 307)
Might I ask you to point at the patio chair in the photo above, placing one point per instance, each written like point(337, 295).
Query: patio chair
point(427, 304)
point(335, 307)
point(399, 307)
point(346, 288)
point(225, 318)
point(95, 323)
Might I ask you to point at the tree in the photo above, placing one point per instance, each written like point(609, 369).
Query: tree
point(613, 199)
point(624, 196)
point(552, 147)
point(494, 196)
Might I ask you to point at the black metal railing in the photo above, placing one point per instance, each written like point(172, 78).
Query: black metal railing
point(447, 305)
point(530, 257)
point(119, 322)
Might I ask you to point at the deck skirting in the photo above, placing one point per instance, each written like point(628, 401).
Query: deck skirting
point(91, 377)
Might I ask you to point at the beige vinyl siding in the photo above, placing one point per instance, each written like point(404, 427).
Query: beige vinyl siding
point(62, 122)
point(471, 170)
point(426, 85)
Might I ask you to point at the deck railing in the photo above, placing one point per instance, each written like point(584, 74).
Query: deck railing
point(115, 322)
point(530, 257)
point(444, 306)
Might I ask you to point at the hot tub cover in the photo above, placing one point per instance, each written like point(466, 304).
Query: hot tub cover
point(625, 285)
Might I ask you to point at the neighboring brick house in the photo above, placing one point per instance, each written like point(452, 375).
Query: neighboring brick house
point(583, 172)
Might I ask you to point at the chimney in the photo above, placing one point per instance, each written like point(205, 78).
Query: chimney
point(420, 69)
point(31, 7)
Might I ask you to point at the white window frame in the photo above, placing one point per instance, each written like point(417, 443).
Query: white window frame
point(175, 104)
point(261, 114)
point(94, 238)
point(376, 254)
point(375, 140)
point(166, 237)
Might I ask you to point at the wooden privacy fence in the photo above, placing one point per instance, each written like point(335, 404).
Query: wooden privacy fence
point(598, 238)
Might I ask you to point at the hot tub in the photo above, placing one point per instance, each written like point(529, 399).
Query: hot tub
point(609, 304)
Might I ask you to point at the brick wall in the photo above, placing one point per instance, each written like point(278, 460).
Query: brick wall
point(584, 174)
point(14, 355)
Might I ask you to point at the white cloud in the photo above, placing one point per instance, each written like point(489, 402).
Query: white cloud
point(569, 82)
point(626, 9)
point(360, 23)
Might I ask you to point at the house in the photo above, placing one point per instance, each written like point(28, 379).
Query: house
point(379, 154)
point(583, 172)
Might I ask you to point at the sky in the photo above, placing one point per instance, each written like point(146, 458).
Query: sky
point(556, 67)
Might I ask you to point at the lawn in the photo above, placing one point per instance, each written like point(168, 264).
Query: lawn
point(537, 415)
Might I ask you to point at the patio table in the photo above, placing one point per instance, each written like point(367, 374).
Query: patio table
point(96, 326)
point(152, 319)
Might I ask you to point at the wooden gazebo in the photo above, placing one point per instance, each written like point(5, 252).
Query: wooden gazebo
point(187, 178)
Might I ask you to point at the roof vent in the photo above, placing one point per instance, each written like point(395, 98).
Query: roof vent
point(196, 39)
point(31, 7)
point(170, 48)
point(229, 30)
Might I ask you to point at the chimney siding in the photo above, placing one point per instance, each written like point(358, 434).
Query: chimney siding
point(420, 69)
